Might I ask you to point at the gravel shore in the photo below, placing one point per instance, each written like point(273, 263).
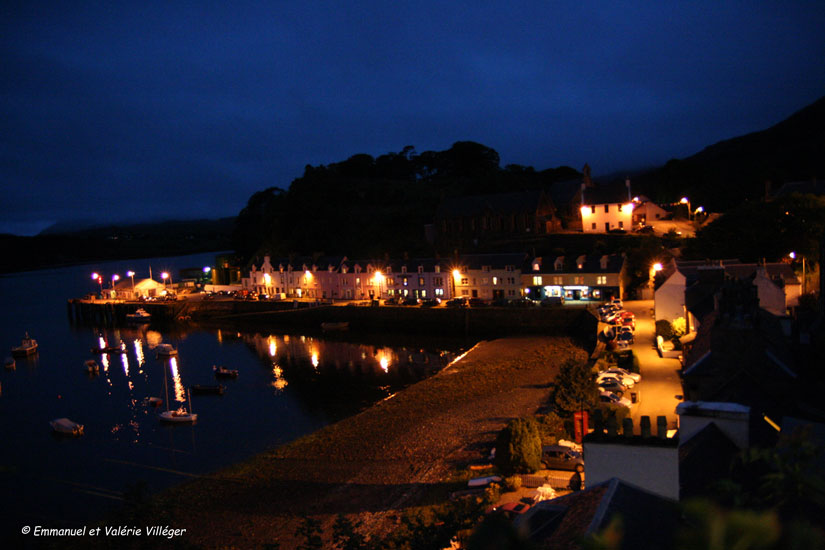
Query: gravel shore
point(394, 455)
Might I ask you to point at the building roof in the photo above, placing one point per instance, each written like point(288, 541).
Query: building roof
point(648, 520)
point(501, 203)
point(590, 263)
point(704, 459)
point(494, 261)
point(612, 193)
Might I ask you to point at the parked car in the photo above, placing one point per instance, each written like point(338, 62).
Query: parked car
point(478, 302)
point(629, 322)
point(391, 301)
point(625, 339)
point(612, 398)
point(521, 302)
point(457, 302)
point(511, 509)
point(559, 457)
point(636, 377)
point(552, 301)
point(626, 381)
point(613, 385)
point(430, 302)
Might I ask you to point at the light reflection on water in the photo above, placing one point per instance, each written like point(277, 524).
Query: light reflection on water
point(290, 384)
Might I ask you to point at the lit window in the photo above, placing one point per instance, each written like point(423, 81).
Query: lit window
point(601, 280)
point(495, 281)
point(537, 280)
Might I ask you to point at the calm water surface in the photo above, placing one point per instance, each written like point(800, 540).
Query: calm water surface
point(289, 385)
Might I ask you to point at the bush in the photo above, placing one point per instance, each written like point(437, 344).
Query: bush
point(512, 483)
point(518, 447)
point(664, 329)
point(551, 428)
point(620, 412)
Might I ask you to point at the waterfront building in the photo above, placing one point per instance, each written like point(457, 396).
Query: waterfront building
point(419, 278)
point(128, 290)
point(584, 277)
point(488, 276)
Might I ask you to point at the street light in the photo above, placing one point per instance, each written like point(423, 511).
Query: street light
point(456, 278)
point(378, 278)
point(685, 200)
point(793, 257)
point(97, 277)
point(131, 274)
point(164, 276)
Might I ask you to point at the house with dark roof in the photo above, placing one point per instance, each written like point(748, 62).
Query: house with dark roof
point(488, 276)
point(576, 277)
point(647, 520)
point(463, 221)
point(606, 208)
point(689, 287)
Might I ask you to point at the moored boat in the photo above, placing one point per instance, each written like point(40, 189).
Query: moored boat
point(91, 366)
point(181, 415)
point(154, 401)
point(223, 372)
point(28, 346)
point(139, 316)
point(166, 350)
point(66, 426)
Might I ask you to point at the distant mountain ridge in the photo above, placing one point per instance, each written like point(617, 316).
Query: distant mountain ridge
point(145, 226)
point(739, 169)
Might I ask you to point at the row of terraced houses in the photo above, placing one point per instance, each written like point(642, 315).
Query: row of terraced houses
point(486, 276)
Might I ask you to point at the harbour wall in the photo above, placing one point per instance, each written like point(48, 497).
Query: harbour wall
point(476, 322)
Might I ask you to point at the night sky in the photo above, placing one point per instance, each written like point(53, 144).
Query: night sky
point(123, 111)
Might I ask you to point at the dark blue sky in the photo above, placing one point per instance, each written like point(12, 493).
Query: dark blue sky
point(135, 110)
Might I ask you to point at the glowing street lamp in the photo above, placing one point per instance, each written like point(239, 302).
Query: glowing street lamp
point(165, 276)
point(99, 278)
point(657, 267)
point(685, 200)
point(379, 277)
point(456, 278)
point(131, 274)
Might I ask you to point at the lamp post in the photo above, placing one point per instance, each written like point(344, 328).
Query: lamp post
point(165, 276)
point(685, 200)
point(456, 277)
point(206, 271)
point(99, 278)
point(132, 275)
point(804, 286)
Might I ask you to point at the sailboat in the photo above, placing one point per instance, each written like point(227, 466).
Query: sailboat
point(181, 415)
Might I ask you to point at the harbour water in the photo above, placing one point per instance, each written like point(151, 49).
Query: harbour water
point(288, 385)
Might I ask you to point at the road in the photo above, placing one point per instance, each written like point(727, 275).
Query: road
point(661, 388)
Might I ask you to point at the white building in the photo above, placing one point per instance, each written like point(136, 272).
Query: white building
point(606, 208)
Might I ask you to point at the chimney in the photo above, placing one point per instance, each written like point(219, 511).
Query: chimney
point(644, 424)
point(661, 427)
point(627, 427)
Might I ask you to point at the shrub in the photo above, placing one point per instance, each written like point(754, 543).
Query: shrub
point(679, 327)
point(664, 329)
point(512, 483)
point(628, 361)
point(518, 447)
point(620, 412)
point(575, 386)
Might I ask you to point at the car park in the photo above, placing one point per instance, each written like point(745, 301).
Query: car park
point(626, 381)
point(613, 399)
point(625, 339)
point(559, 457)
point(620, 372)
point(612, 385)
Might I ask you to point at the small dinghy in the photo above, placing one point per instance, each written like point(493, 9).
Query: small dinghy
point(66, 427)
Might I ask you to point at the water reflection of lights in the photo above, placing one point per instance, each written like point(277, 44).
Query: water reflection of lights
point(125, 360)
point(141, 359)
point(385, 363)
point(273, 347)
point(220, 336)
point(180, 395)
point(153, 338)
point(280, 382)
point(315, 358)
